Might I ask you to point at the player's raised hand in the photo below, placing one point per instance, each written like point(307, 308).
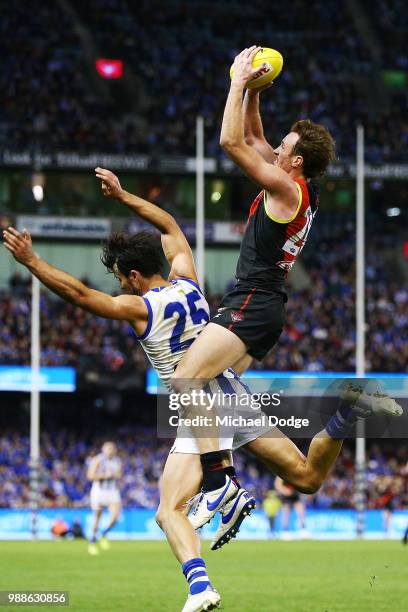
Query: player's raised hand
point(243, 70)
point(111, 187)
point(19, 244)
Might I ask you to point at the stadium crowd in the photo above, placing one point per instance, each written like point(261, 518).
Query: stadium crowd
point(47, 99)
point(320, 329)
point(65, 456)
point(53, 102)
point(319, 334)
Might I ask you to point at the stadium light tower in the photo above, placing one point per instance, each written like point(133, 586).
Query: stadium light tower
point(360, 328)
point(35, 404)
point(200, 222)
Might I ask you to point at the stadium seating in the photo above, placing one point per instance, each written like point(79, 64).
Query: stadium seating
point(48, 103)
point(319, 334)
point(51, 101)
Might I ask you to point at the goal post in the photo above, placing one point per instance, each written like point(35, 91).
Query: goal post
point(360, 328)
point(200, 220)
point(35, 406)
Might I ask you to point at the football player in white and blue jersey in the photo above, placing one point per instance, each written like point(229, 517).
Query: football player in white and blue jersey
point(105, 471)
point(167, 316)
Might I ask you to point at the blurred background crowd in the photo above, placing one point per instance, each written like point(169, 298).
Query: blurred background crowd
point(345, 64)
point(319, 334)
point(66, 453)
point(339, 70)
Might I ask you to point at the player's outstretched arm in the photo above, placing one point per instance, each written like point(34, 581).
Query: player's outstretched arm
point(175, 246)
point(268, 176)
point(124, 307)
point(253, 128)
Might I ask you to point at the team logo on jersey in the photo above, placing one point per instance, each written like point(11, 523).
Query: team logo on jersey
point(285, 265)
point(237, 316)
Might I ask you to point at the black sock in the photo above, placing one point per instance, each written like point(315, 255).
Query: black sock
point(230, 471)
point(213, 471)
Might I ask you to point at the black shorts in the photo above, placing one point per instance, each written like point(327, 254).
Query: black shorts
point(290, 499)
point(257, 317)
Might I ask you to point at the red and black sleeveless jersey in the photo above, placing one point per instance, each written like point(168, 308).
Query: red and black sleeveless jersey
point(270, 246)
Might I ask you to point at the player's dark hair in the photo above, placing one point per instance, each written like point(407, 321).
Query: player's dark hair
point(315, 145)
point(141, 252)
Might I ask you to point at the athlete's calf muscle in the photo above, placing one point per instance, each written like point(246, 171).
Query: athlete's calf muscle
point(284, 459)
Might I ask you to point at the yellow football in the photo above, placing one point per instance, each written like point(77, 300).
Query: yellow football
point(269, 63)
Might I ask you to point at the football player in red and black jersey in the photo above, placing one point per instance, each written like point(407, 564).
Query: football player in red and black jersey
point(251, 316)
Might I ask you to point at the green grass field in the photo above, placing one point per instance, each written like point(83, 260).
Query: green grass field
point(263, 576)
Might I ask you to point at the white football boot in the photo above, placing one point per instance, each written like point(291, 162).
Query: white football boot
point(232, 515)
point(207, 503)
point(370, 404)
point(206, 600)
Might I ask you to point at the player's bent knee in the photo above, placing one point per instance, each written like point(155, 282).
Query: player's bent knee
point(307, 489)
point(163, 516)
point(309, 486)
point(304, 482)
point(159, 517)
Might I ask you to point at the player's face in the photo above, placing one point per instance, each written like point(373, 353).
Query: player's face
point(129, 284)
point(109, 449)
point(285, 158)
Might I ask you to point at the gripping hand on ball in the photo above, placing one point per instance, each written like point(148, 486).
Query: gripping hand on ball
point(111, 187)
point(243, 70)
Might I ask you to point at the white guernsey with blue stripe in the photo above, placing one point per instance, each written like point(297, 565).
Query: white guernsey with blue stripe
point(177, 314)
point(105, 492)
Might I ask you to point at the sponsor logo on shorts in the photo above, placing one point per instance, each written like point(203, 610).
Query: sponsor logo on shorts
point(219, 312)
point(237, 316)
